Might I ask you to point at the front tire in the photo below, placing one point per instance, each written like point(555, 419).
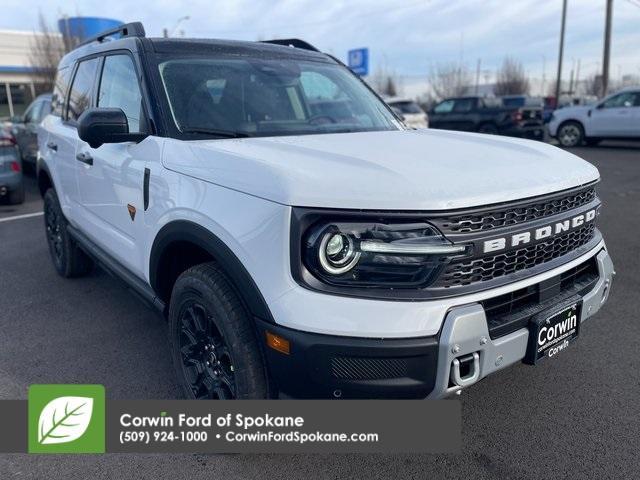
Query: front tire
point(68, 259)
point(570, 134)
point(213, 342)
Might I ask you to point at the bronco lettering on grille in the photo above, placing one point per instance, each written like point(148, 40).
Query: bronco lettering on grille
point(547, 231)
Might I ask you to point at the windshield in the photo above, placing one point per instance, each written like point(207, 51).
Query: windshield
point(245, 96)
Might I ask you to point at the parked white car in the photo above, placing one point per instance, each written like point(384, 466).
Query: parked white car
point(615, 117)
point(312, 253)
point(412, 114)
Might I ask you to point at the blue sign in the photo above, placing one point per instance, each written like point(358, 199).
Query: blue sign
point(359, 61)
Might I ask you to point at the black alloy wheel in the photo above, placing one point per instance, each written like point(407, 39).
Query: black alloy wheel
point(54, 233)
point(207, 364)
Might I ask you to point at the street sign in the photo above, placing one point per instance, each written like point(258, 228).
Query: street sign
point(359, 61)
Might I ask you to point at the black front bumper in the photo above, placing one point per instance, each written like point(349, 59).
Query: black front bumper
point(326, 366)
point(533, 132)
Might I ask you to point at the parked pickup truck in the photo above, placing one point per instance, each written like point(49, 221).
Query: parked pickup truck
point(487, 115)
point(298, 255)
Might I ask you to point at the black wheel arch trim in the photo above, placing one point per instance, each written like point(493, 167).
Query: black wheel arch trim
point(43, 169)
point(112, 266)
point(186, 231)
point(571, 120)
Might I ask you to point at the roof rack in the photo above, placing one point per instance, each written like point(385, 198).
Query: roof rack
point(293, 42)
point(134, 29)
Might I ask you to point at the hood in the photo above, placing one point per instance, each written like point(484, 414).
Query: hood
point(394, 170)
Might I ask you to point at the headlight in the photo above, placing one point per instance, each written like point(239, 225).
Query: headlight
point(376, 254)
point(337, 253)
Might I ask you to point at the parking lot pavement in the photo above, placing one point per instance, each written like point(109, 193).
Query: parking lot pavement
point(574, 417)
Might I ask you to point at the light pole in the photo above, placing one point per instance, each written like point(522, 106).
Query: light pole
point(559, 77)
point(178, 22)
point(544, 75)
point(607, 48)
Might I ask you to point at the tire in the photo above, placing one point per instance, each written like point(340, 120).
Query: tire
point(570, 134)
point(592, 142)
point(16, 197)
point(213, 342)
point(68, 259)
point(488, 129)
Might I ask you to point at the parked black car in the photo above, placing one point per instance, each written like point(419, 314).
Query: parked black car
point(487, 115)
point(25, 128)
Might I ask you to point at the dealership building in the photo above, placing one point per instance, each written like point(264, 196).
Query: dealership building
point(19, 83)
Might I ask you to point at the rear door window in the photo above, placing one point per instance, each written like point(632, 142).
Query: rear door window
point(464, 105)
point(82, 88)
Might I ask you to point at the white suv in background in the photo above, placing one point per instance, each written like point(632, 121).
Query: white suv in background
point(299, 239)
point(411, 113)
point(615, 117)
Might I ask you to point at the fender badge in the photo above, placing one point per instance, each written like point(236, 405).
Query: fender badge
point(132, 211)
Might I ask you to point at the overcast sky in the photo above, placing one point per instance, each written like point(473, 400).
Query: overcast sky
point(405, 36)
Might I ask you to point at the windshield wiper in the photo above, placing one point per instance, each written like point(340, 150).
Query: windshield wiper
point(216, 132)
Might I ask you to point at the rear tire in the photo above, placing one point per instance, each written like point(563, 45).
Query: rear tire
point(213, 341)
point(570, 134)
point(16, 197)
point(68, 259)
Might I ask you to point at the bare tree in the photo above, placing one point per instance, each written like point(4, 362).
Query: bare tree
point(449, 80)
point(47, 48)
point(389, 88)
point(427, 101)
point(385, 82)
point(511, 78)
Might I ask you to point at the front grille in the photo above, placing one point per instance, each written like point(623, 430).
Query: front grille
point(468, 271)
point(512, 311)
point(350, 368)
point(515, 214)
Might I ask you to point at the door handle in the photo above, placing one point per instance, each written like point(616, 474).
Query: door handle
point(85, 158)
point(52, 146)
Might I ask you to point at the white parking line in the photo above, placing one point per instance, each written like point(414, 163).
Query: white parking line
point(20, 217)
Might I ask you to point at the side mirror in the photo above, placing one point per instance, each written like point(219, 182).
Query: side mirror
point(98, 126)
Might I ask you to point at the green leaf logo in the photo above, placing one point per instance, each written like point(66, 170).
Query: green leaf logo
point(64, 419)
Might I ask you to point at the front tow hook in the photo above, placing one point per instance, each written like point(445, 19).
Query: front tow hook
point(465, 370)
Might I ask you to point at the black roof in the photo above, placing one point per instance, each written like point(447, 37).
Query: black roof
point(230, 47)
point(136, 41)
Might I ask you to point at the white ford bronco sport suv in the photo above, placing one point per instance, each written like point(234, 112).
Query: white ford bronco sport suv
point(300, 240)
